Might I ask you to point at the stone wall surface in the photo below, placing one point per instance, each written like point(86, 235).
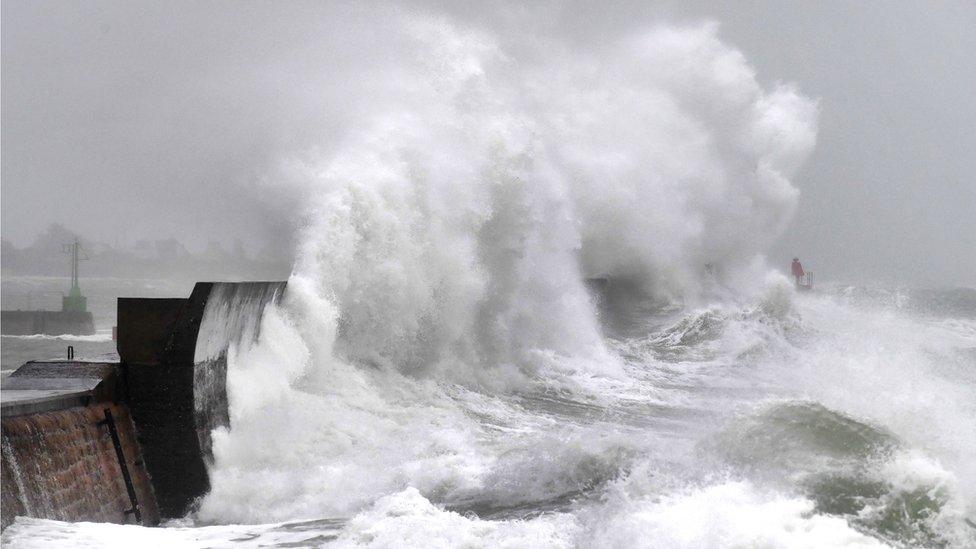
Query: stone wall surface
point(63, 465)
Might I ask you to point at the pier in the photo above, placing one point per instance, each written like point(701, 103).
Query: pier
point(74, 317)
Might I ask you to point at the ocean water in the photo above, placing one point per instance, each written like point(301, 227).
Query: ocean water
point(44, 293)
point(438, 373)
point(841, 418)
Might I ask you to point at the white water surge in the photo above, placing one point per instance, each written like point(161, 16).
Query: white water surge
point(438, 375)
point(446, 247)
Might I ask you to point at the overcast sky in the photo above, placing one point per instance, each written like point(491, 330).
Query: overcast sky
point(127, 120)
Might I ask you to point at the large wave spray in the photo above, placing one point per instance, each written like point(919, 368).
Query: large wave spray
point(468, 203)
point(447, 238)
point(437, 373)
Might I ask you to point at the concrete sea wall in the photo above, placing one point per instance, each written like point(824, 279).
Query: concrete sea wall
point(128, 441)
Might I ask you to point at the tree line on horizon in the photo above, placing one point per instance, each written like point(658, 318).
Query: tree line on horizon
point(146, 258)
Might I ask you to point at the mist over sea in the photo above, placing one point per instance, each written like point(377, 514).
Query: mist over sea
point(445, 371)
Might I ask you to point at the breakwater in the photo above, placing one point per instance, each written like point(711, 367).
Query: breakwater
point(128, 441)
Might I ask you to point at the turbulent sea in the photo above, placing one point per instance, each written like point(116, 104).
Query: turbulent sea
point(438, 374)
point(840, 418)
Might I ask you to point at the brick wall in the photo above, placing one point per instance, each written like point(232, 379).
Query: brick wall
point(63, 465)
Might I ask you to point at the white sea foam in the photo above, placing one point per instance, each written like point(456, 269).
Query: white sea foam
point(96, 337)
point(407, 519)
point(30, 533)
point(436, 373)
point(729, 514)
point(913, 376)
point(447, 239)
point(387, 451)
point(732, 514)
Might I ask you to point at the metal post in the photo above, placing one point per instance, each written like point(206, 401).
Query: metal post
point(74, 264)
point(110, 422)
point(74, 301)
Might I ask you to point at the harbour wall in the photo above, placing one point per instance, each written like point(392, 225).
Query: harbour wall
point(174, 354)
point(61, 459)
point(63, 465)
point(69, 447)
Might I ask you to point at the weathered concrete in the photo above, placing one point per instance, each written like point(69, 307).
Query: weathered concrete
point(43, 386)
point(232, 317)
point(156, 338)
point(174, 354)
point(146, 326)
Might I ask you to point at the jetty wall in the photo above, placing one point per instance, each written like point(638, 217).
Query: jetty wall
point(156, 338)
point(128, 441)
point(69, 448)
point(63, 465)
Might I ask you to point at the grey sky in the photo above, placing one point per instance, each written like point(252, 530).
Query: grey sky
point(128, 120)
